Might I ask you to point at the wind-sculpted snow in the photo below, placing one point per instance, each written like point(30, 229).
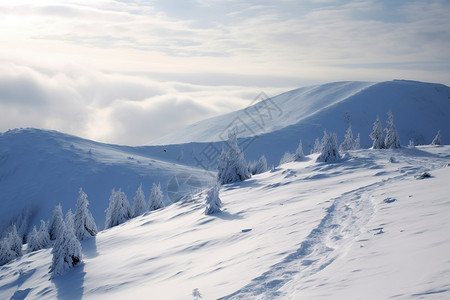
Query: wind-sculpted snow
point(303, 230)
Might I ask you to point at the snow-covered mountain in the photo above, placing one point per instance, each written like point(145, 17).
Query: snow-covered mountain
point(39, 169)
point(275, 125)
point(363, 228)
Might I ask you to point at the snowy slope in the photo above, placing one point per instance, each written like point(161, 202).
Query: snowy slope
point(363, 228)
point(420, 110)
point(39, 169)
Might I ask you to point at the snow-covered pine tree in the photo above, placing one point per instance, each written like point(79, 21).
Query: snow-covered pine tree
point(392, 140)
point(411, 143)
point(38, 239)
point(156, 198)
point(83, 223)
point(258, 167)
point(377, 135)
point(118, 210)
point(299, 155)
point(330, 150)
point(357, 143)
point(139, 204)
point(55, 223)
point(15, 242)
point(348, 143)
point(231, 164)
point(66, 250)
point(317, 146)
point(69, 219)
point(213, 202)
point(6, 254)
point(437, 139)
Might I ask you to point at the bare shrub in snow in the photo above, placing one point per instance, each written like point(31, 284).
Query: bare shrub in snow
point(330, 151)
point(139, 204)
point(156, 198)
point(118, 210)
point(84, 223)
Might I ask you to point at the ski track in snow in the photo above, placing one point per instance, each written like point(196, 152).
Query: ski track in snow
point(343, 223)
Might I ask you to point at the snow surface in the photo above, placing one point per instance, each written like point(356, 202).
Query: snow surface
point(362, 228)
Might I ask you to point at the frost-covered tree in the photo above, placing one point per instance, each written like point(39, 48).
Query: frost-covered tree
point(299, 155)
point(15, 241)
point(286, 158)
point(213, 202)
point(38, 239)
point(118, 210)
point(55, 223)
point(139, 204)
point(259, 166)
point(330, 150)
point(377, 135)
point(357, 142)
point(348, 143)
point(411, 143)
point(66, 250)
point(156, 198)
point(231, 164)
point(317, 146)
point(83, 222)
point(69, 219)
point(6, 254)
point(437, 139)
point(392, 140)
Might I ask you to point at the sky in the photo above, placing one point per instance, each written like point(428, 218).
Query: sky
point(128, 72)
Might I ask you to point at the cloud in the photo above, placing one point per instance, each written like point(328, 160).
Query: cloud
point(106, 68)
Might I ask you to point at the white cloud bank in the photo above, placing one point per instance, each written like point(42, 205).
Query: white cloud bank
point(131, 71)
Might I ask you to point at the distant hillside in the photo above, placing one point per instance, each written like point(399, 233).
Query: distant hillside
point(39, 169)
point(420, 110)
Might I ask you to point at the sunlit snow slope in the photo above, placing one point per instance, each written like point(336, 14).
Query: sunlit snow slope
point(420, 110)
point(39, 169)
point(362, 228)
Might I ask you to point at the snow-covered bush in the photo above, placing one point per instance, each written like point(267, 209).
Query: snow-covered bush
point(411, 143)
point(66, 250)
point(83, 221)
point(392, 140)
point(299, 155)
point(213, 202)
point(231, 164)
point(118, 210)
point(6, 254)
point(258, 167)
point(55, 223)
point(377, 135)
point(15, 242)
point(348, 143)
point(357, 143)
point(286, 158)
point(139, 204)
point(437, 139)
point(38, 239)
point(330, 151)
point(156, 198)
